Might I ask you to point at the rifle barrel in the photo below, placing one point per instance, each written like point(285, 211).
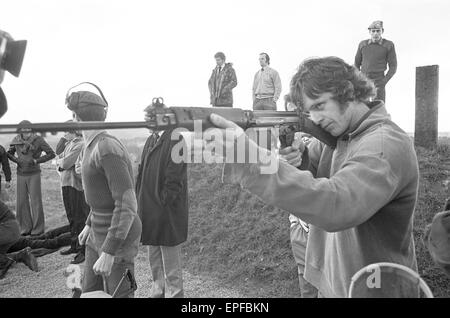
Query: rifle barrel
point(70, 126)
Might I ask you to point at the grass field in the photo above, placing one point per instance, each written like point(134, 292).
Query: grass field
point(234, 240)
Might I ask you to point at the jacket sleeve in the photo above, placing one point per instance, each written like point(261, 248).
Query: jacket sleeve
point(392, 62)
point(363, 185)
point(71, 156)
point(358, 57)
point(61, 146)
point(233, 82)
point(5, 165)
point(11, 154)
point(49, 153)
point(174, 177)
point(254, 86)
point(141, 166)
point(277, 84)
point(120, 183)
point(210, 84)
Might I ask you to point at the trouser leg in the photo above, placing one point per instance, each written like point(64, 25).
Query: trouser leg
point(69, 207)
point(157, 269)
point(51, 244)
point(9, 235)
point(53, 233)
point(80, 213)
point(23, 205)
point(171, 256)
point(299, 240)
point(37, 209)
point(91, 282)
point(381, 93)
point(117, 271)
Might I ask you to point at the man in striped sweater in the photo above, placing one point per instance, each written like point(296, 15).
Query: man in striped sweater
point(113, 228)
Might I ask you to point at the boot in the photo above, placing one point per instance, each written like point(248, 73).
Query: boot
point(5, 264)
point(25, 256)
point(70, 250)
point(79, 258)
point(72, 242)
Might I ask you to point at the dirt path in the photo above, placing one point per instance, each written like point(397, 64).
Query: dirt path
point(49, 282)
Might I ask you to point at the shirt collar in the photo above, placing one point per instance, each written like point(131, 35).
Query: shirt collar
point(355, 128)
point(380, 41)
point(93, 136)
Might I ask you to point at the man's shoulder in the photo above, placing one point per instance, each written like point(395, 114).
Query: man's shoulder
point(110, 145)
point(75, 143)
point(387, 139)
point(387, 43)
point(229, 65)
point(38, 139)
point(363, 43)
point(272, 70)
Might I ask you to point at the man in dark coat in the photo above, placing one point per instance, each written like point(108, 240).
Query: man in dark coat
point(221, 83)
point(4, 161)
point(161, 190)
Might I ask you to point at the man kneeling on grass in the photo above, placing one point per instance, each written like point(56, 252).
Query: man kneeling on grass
point(15, 248)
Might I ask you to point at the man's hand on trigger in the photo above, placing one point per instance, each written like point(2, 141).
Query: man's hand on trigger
point(293, 154)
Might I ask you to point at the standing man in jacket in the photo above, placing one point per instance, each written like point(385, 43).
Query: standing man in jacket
point(163, 206)
point(113, 228)
point(360, 205)
point(5, 167)
point(29, 148)
point(76, 207)
point(374, 56)
point(221, 83)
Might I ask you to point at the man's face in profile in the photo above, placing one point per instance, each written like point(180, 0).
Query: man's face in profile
point(262, 60)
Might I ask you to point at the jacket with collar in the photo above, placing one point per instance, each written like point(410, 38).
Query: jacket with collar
point(27, 150)
point(359, 199)
point(221, 85)
point(162, 193)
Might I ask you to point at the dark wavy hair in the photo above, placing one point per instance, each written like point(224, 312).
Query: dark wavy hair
point(220, 55)
point(316, 76)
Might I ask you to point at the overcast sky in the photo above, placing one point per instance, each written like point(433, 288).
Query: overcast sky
point(136, 50)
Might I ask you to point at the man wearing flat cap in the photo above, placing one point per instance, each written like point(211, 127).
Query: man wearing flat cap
point(113, 228)
point(374, 56)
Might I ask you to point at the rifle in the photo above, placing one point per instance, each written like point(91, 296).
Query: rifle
point(167, 118)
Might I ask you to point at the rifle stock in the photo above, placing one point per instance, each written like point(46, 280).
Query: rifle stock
point(167, 118)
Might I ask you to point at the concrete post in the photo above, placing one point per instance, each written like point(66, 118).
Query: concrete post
point(427, 91)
